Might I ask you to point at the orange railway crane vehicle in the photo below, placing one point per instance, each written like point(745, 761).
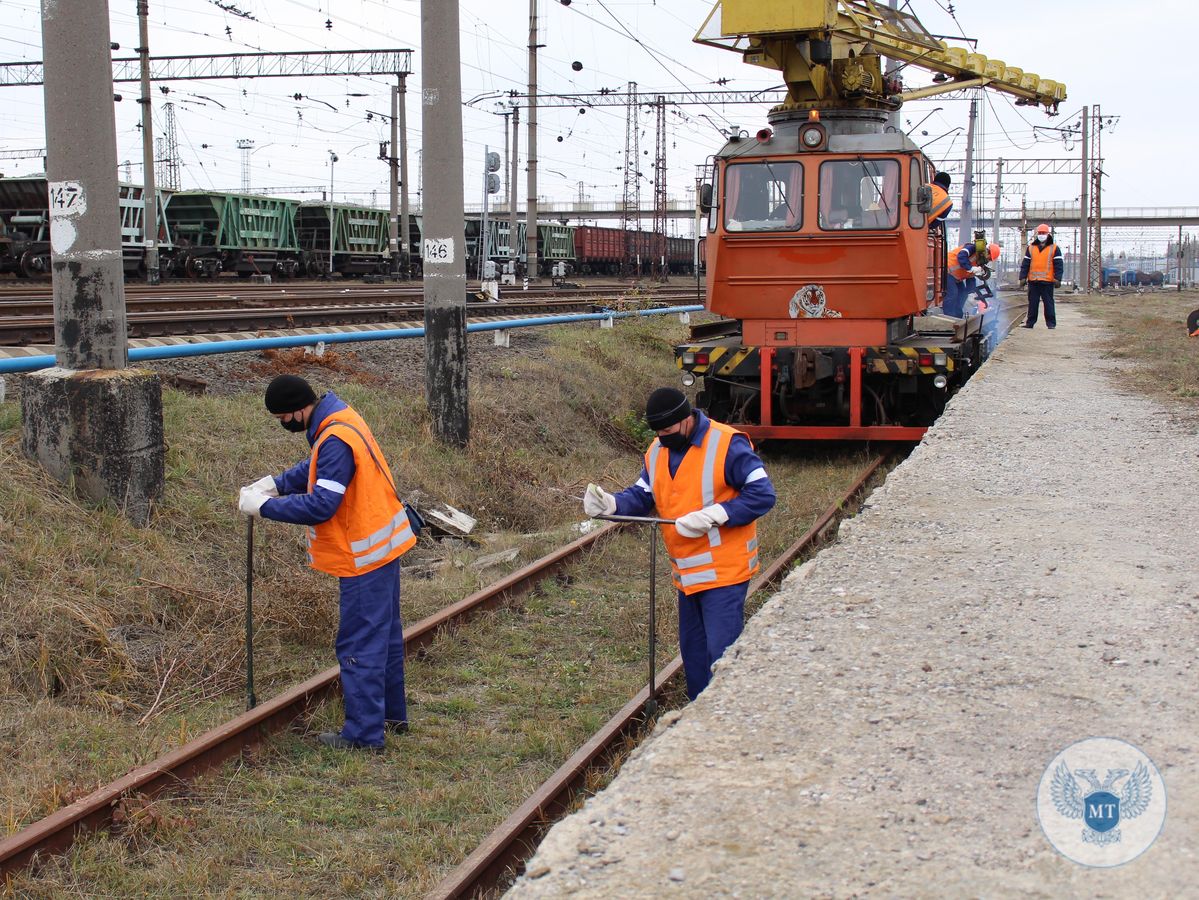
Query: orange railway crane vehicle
point(820, 255)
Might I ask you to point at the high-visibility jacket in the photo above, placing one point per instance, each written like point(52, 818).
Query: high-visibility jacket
point(1040, 267)
point(370, 527)
point(955, 264)
point(724, 556)
point(941, 203)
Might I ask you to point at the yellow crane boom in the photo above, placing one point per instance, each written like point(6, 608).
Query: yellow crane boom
point(829, 52)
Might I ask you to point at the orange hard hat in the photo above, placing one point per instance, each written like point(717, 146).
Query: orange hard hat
point(1042, 228)
point(993, 249)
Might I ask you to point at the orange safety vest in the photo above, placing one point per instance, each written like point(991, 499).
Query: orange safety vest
point(951, 260)
point(370, 527)
point(1041, 267)
point(724, 556)
point(941, 202)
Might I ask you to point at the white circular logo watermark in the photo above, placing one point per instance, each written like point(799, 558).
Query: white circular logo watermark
point(1101, 802)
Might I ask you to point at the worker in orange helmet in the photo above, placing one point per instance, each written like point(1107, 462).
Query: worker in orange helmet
point(1041, 270)
point(965, 267)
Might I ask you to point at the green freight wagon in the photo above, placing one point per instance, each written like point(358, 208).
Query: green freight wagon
point(242, 233)
point(360, 239)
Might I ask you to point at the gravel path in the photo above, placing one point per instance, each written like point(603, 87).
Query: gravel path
point(1021, 582)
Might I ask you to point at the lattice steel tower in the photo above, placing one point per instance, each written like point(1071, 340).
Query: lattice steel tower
point(631, 198)
point(171, 164)
point(660, 267)
point(1095, 213)
point(245, 146)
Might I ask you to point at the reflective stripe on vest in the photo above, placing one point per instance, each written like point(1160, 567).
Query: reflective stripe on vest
point(952, 261)
point(941, 202)
point(1041, 266)
point(370, 527)
point(721, 556)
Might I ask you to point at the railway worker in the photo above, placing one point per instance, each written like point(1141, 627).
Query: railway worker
point(1041, 269)
point(965, 267)
point(707, 477)
point(941, 202)
point(357, 530)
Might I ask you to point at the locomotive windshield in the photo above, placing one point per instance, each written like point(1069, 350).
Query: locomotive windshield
point(859, 194)
point(763, 196)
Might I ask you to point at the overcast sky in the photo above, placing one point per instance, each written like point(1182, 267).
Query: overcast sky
point(1130, 60)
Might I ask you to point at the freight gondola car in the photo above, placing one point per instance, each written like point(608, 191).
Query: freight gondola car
point(244, 233)
point(360, 239)
point(25, 227)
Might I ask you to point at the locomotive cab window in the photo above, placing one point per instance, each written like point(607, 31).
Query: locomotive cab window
point(765, 196)
point(859, 194)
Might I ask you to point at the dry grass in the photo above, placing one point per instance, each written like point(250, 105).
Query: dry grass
point(125, 643)
point(1149, 331)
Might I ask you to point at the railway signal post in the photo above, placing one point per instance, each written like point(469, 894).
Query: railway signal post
point(90, 420)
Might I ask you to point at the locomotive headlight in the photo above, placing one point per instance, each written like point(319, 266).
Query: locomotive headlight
point(812, 136)
point(939, 382)
point(688, 379)
point(940, 359)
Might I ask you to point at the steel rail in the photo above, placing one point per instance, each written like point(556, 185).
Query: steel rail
point(513, 842)
point(18, 330)
point(57, 832)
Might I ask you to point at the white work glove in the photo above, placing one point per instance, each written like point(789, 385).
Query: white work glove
point(598, 502)
point(701, 521)
point(978, 271)
point(266, 484)
point(251, 500)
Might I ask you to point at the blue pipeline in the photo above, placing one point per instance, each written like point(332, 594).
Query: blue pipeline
point(175, 351)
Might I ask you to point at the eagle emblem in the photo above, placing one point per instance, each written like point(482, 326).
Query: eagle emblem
point(1099, 805)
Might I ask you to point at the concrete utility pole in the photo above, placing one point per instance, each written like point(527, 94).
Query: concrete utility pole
point(513, 219)
point(90, 421)
point(444, 244)
point(149, 193)
point(531, 198)
point(966, 216)
point(998, 197)
point(393, 223)
point(406, 242)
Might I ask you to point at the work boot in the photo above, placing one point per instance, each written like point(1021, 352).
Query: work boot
point(395, 726)
point(1026, 325)
point(334, 740)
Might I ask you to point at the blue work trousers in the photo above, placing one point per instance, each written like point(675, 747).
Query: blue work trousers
point(370, 651)
point(956, 292)
point(1038, 292)
point(708, 622)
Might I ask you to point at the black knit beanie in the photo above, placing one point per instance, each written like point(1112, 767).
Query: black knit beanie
point(943, 179)
point(288, 394)
point(665, 407)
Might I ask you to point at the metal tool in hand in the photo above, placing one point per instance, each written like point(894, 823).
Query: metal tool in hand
point(251, 700)
point(651, 706)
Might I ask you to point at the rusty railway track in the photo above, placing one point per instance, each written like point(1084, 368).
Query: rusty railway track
point(57, 832)
point(499, 858)
point(154, 317)
point(501, 854)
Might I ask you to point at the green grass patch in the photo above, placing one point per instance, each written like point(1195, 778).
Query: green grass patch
point(125, 643)
point(1148, 332)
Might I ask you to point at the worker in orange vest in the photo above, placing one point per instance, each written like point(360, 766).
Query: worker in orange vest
point(707, 479)
point(1041, 270)
point(357, 530)
point(941, 202)
point(965, 266)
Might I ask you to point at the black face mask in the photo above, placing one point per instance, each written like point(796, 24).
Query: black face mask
point(295, 426)
point(676, 441)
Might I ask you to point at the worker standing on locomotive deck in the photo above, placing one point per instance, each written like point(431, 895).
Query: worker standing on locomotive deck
point(1041, 269)
point(357, 530)
point(706, 477)
point(965, 266)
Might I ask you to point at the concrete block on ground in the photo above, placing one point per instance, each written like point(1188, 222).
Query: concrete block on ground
point(100, 429)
